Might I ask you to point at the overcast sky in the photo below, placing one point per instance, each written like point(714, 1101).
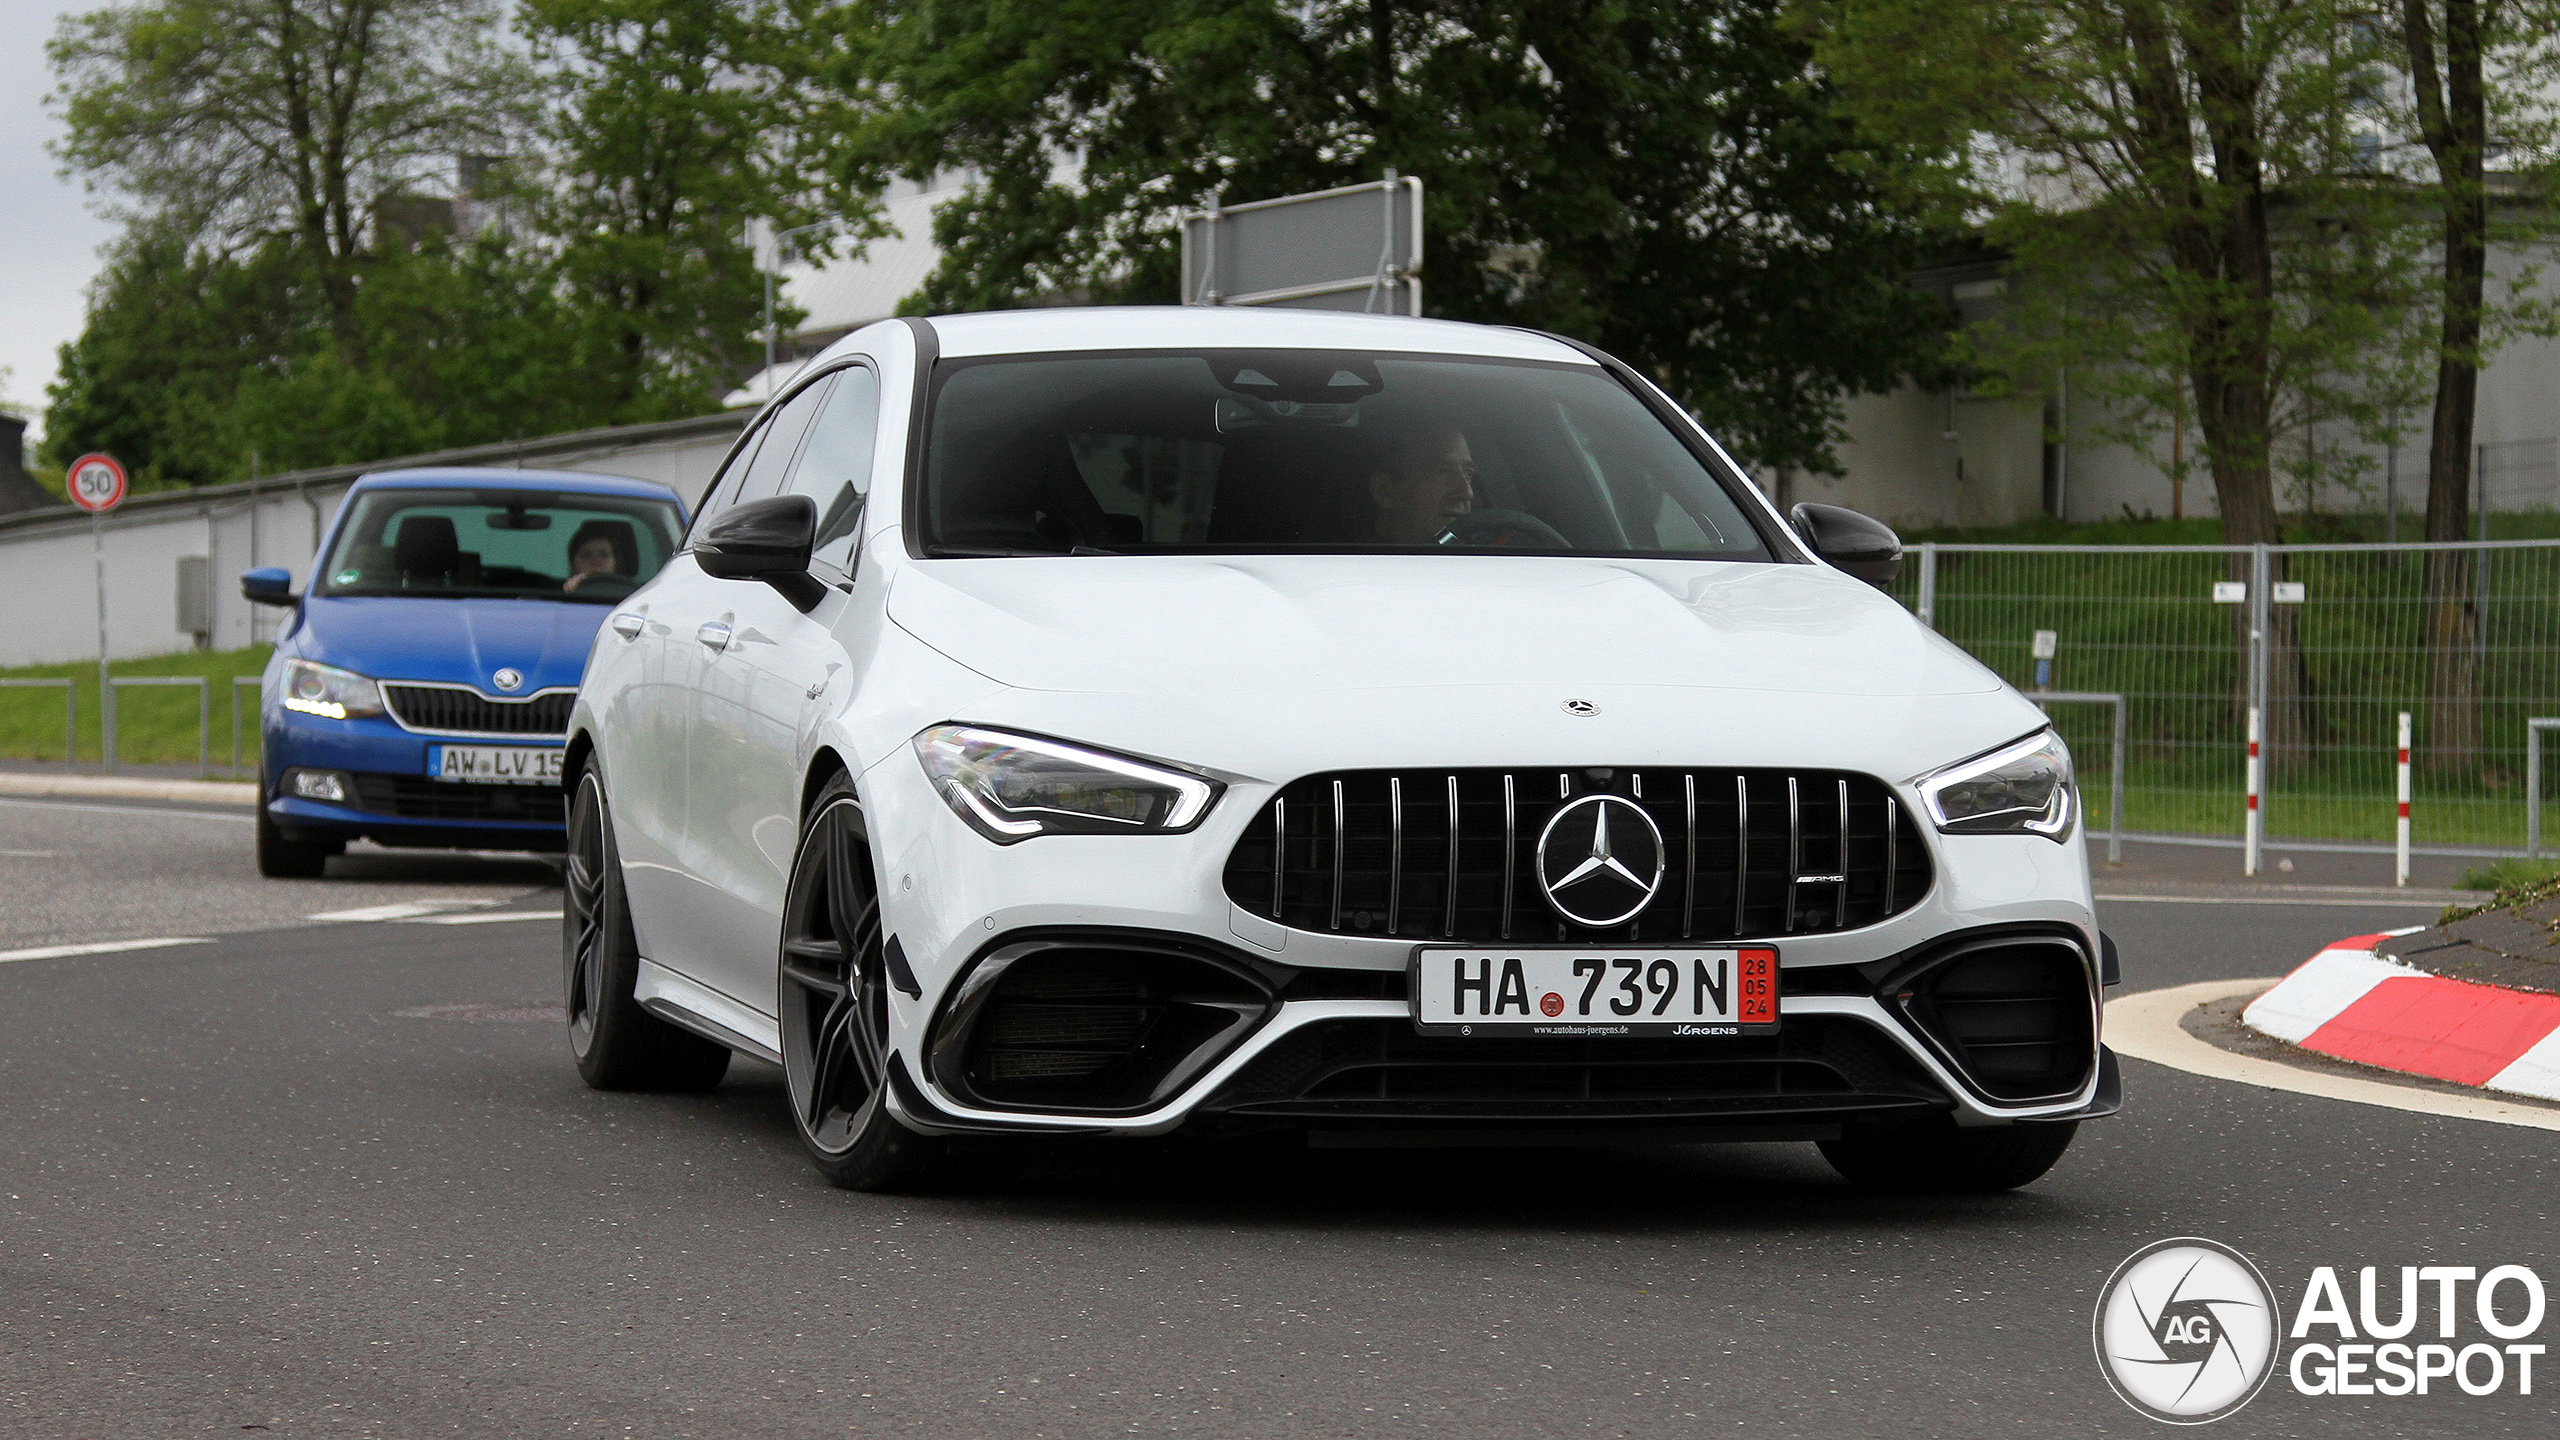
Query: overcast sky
point(48, 238)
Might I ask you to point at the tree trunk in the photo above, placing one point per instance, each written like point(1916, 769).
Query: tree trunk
point(2453, 118)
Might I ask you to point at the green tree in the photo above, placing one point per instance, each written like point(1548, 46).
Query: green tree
point(670, 125)
point(225, 123)
point(2478, 74)
point(1665, 178)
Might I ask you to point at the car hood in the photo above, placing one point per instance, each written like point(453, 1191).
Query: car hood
point(461, 641)
point(1247, 662)
point(1293, 623)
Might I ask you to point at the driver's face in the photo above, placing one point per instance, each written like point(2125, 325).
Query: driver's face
point(1434, 484)
point(595, 557)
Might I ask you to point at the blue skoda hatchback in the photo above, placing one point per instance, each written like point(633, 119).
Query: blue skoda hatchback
point(420, 692)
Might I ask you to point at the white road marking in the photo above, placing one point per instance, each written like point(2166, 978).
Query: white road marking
point(403, 910)
point(104, 947)
point(482, 919)
point(2145, 1026)
point(2275, 900)
point(31, 854)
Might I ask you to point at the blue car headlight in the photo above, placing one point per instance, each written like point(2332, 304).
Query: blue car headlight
point(311, 688)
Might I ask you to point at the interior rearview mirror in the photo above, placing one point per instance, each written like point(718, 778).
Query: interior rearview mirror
point(1865, 548)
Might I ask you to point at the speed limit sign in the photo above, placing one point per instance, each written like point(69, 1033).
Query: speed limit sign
point(96, 482)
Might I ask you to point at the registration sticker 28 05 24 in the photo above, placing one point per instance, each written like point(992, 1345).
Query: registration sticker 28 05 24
point(1595, 991)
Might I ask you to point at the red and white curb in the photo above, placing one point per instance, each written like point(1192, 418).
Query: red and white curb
point(2352, 1004)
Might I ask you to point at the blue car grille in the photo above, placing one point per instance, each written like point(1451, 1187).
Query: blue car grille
point(433, 707)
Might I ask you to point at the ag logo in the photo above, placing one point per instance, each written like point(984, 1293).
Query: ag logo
point(2186, 1331)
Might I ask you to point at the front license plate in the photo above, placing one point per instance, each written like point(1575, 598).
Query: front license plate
point(495, 764)
point(1595, 991)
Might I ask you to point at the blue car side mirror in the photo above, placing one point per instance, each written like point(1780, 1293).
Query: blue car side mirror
point(268, 585)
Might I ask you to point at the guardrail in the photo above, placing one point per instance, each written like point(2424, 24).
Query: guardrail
point(70, 712)
point(204, 712)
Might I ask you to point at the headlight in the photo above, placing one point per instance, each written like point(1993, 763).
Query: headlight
point(2019, 789)
point(1012, 787)
point(315, 689)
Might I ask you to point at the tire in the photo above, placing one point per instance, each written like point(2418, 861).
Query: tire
point(618, 1045)
point(1944, 1160)
point(282, 859)
point(833, 988)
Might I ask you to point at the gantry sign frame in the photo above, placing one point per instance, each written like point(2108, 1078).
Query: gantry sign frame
point(1355, 247)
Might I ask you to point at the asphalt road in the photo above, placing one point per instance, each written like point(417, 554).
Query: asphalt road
point(277, 1183)
point(74, 873)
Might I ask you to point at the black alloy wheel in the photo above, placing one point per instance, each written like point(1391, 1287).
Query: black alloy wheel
point(617, 1044)
point(834, 998)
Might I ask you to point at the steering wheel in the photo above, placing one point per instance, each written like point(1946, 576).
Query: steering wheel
point(1500, 530)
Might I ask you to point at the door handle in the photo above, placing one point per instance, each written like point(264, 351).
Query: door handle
point(629, 626)
point(714, 633)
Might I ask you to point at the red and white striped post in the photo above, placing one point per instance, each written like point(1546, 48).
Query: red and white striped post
point(2251, 835)
point(2400, 868)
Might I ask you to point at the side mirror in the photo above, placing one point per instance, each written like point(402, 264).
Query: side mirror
point(760, 539)
point(268, 585)
point(1865, 548)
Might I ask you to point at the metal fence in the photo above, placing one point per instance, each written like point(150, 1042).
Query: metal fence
point(2327, 643)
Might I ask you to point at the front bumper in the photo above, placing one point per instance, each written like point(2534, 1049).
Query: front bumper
point(1333, 1013)
point(395, 803)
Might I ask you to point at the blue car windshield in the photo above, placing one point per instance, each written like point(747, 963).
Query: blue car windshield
point(516, 544)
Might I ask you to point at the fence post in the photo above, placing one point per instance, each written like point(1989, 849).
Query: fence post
point(2115, 791)
point(2261, 589)
point(2400, 868)
point(204, 713)
point(2534, 729)
point(1929, 583)
point(2252, 826)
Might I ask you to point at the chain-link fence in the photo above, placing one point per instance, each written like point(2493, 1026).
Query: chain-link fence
point(2328, 642)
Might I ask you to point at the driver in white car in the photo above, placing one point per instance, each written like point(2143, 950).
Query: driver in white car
point(1427, 482)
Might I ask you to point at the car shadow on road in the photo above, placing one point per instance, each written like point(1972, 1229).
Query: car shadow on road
point(1280, 1183)
point(444, 867)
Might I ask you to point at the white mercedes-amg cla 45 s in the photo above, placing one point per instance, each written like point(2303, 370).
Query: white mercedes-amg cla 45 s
point(1122, 722)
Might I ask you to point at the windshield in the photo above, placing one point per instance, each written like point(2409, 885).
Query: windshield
point(520, 544)
point(1301, 450)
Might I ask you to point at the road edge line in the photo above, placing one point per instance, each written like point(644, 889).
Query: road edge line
point(2144, 1025)
point(101, 947)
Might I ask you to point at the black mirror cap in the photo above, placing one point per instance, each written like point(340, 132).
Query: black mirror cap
point(1865, 548)
point(760, 540)
point(268, 585)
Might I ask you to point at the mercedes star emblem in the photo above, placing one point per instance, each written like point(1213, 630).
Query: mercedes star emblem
point(508, 679)
point(1580, 707)
point(1610, 854)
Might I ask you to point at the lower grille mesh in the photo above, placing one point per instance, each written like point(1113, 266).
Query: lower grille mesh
point(412, 797)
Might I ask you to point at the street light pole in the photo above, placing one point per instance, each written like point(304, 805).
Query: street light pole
point(772, 336)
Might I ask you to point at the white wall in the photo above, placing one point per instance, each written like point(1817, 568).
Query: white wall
point(48, 570)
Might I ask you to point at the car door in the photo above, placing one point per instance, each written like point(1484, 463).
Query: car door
point(759, 658)
point(689, 620)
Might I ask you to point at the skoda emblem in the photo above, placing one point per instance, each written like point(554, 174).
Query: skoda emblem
point(1580, 707)
point(508, 679)
point(1600, 860)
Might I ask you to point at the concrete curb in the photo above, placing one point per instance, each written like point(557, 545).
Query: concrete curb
point(129, 787)
point(2352, 1004)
